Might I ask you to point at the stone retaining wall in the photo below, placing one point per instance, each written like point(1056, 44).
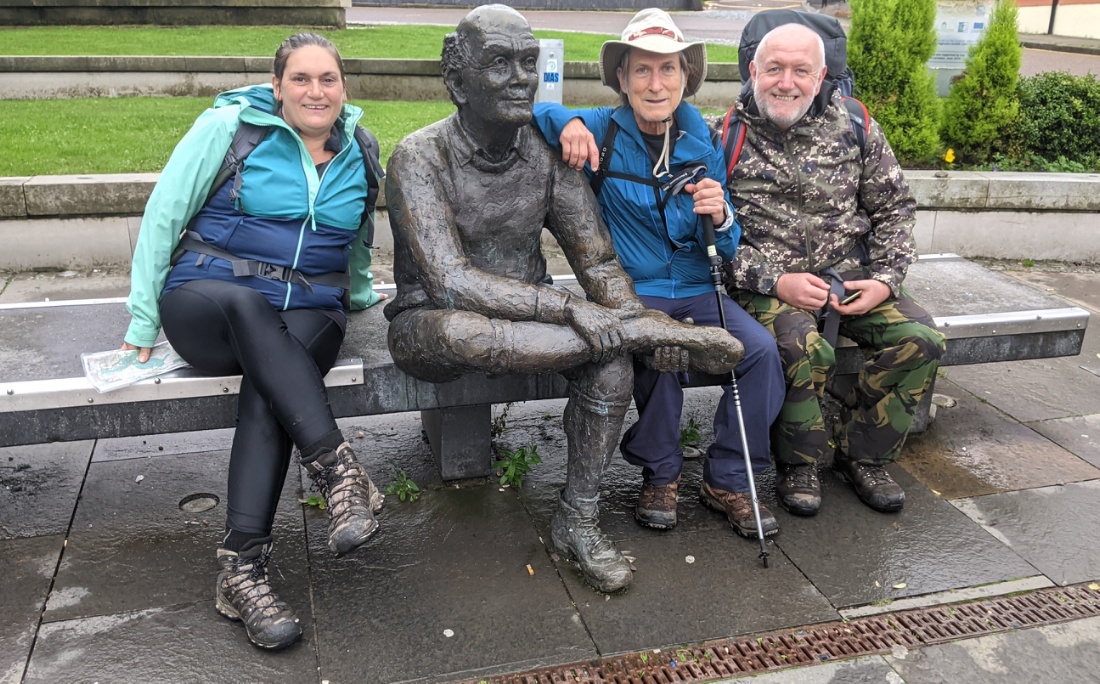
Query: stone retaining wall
point(35, 78)
point(57, 222)
point(174, 12)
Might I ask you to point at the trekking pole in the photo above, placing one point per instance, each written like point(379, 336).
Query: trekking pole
point(716, 278)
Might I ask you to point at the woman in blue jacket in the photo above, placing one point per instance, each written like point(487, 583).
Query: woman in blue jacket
point(257, 285)
point(658, 236)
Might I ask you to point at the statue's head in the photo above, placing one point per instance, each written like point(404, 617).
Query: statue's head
point(490, 66)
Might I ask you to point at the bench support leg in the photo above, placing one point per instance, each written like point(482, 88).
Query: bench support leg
point(460, 439)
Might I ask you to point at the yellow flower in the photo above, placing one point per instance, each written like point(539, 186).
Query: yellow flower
point(950, 156)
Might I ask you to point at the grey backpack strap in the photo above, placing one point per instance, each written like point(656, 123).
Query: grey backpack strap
point(245, 140)
point(368, 144)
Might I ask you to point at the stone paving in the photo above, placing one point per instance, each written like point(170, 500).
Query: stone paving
point(106, 578)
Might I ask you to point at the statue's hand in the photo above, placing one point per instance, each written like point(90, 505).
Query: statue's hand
point(600, 327)
point(668, 360)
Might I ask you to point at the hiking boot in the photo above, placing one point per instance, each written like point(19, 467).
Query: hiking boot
point(873, 485)
point(738, 509)
point(798, 488)
point(350, 496)
point(575, 533)
point(657, 505)
point(243, 593)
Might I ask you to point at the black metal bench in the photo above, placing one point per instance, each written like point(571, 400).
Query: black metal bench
point(44, 398)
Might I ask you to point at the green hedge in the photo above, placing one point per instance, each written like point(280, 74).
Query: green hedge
point(1059, 117)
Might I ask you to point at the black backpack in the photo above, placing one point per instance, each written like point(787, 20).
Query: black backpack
point(249, 136)
point(837, 76)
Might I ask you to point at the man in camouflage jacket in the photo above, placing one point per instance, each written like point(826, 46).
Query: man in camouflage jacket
point(820, 213)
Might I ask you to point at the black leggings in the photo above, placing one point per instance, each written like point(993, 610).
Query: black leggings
point(225, 329)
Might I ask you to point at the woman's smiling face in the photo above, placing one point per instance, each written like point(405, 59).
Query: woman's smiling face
point(312, 91)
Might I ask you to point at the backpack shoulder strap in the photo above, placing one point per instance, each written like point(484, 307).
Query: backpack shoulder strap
point(246, 139)
point(368, 144)
point(860, 120)
point(607, 148)
point(732, 142)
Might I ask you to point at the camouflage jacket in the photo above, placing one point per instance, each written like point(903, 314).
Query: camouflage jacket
point(805, 199)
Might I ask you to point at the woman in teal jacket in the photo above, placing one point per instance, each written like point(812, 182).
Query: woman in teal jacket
point(252, 277)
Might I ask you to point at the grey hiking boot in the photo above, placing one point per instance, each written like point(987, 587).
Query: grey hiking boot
point(799, 489)
point(351, 498)
point(657, 505)
point(575, 533)
point(243, 593)
point(872, 483)
point(738, 509)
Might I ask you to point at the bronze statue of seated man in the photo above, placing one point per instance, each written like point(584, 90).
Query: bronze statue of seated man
point(468, 199)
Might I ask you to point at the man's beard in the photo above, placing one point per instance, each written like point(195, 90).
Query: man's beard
point(782, 121)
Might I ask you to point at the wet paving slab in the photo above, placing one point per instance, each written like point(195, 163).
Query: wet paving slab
point(867, 670)
point(692, 587)
point(856, 556)
point(132, 547)
point(122, 448)
point(27, 566)
point(454, 584)
point(1081, 435)
point(1052, 654)
point(972, 449)
point(180, 643)
point(1078, 288)
point(1053, 528)
point(1043, 389)
point(39, 486)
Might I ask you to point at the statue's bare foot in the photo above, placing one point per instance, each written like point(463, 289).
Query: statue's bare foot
point(711, 349)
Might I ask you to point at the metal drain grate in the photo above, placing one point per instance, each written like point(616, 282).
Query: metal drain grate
point(821, 643)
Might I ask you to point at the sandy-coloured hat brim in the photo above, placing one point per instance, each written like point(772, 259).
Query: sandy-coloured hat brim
point(611, 54)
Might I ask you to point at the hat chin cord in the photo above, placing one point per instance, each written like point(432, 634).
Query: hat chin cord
point(663, 159)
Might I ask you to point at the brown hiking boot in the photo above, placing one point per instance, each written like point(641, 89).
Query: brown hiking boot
point(798, 488)
point(738, 509)
point(657, 505)
point(243, 593)
point(351, 498)
point(873, 484)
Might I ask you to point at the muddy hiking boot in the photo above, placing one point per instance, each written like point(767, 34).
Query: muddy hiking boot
point(873, 484)
point(350, 496)
point(799, 489)
point(575, 533)
point(657, 505)
point(243, 593)
point(738, 509)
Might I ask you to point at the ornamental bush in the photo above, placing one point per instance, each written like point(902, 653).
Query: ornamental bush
point(889, 45)
point(1059, 117)
point(983, 101)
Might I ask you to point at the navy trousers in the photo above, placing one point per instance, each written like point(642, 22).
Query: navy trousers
point(654, 441)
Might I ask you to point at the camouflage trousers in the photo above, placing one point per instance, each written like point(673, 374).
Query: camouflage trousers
point(877, 413)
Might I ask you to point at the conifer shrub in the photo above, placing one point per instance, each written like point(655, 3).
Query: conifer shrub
point(983, 101)
point(889, 45)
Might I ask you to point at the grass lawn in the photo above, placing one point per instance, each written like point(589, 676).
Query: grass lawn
point(136, 134)
point(396, 42)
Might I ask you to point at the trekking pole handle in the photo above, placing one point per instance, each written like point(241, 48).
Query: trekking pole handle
point(712, 256)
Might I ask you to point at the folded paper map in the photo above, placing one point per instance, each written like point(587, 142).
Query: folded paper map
point(110, 370)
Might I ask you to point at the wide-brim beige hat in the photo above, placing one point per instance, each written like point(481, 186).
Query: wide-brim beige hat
point(654, 31)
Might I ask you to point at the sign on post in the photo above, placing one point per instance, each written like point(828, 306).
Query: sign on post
point(551, 68)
